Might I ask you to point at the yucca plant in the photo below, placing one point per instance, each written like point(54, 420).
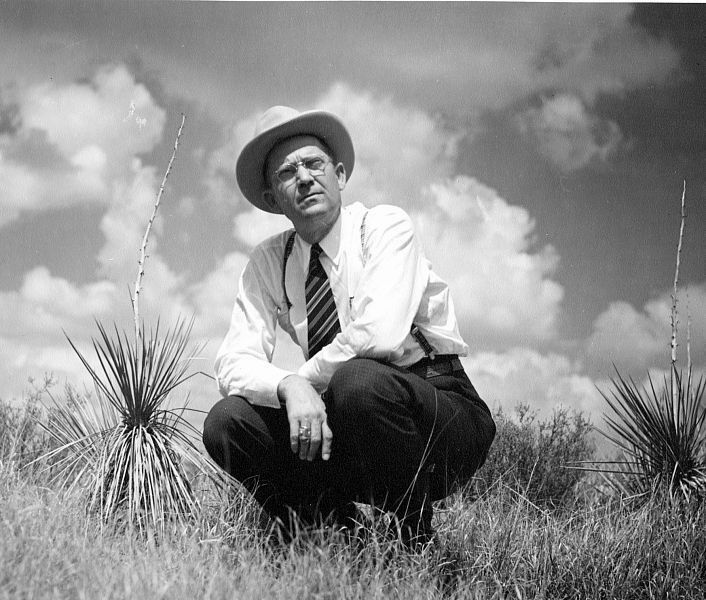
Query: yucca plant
point(660, 432)
point(128, 448)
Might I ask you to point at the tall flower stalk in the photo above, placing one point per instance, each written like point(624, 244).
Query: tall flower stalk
point(143, 248)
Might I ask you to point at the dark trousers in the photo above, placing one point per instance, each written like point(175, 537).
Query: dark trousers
point(391, 430)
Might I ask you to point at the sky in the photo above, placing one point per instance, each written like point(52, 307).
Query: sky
point(541, 150)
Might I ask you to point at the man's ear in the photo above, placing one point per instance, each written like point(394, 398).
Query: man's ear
point(341, 176)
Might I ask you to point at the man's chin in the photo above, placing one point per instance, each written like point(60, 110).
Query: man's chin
point(312, 207)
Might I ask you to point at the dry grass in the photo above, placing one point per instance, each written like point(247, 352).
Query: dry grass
point(500, 546)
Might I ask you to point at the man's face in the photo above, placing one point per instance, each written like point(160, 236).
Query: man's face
point(311, 201)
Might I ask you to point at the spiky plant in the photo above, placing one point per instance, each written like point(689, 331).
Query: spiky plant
point(661, 433)
point(128, 448)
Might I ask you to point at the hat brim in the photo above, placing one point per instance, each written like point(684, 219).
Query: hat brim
point(249, 168)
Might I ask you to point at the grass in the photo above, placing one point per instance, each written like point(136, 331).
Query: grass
point(528, 528)
point(506, 542)
point(499, 546)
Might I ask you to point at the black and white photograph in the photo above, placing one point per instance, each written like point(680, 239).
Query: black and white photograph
point(352, 299)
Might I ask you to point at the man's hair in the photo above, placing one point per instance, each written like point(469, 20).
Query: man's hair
point(265, 165)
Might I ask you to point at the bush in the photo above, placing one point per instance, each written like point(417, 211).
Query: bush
point(22, 439)
point(535, 456)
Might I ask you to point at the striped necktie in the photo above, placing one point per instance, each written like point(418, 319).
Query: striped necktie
point(322, 318)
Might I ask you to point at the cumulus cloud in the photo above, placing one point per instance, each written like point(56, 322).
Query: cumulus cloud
point(33, 320)
point(599, 50)
point(398, 148)
point(637, 340)
point(584, 49)
point(34, 189)
point(576, 54)
point(503, 290)
point(111, 115)
point(567, 134)
point(123, 225)
point(41, 289)
point(69, 142)
point(220, 178)
point(525, 376)
point(254, 225)
point(31, 323)
point(213, 296)
point(98, 128)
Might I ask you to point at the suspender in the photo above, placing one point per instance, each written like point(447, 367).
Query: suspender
point(287, 251)
point(415, 331)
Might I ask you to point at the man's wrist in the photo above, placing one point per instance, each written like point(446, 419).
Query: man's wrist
point(281, 387)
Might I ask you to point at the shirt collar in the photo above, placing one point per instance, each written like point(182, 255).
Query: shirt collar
point(331, 243)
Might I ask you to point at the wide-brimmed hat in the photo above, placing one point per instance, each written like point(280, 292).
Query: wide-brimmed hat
point(279, 123)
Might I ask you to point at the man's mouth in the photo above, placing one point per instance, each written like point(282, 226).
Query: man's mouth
point(309, 197)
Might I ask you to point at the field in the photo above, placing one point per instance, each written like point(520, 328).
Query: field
point(529, 529)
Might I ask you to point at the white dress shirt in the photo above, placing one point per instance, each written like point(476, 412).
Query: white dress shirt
point(378, 297)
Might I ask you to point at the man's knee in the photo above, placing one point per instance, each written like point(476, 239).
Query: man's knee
point(356, 378)
point(359, 392)
point(215, 427)
point(227, 428)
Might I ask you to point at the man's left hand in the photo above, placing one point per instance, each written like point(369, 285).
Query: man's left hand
point(306, 409)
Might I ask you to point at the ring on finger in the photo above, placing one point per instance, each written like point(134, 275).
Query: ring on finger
point(304, 433)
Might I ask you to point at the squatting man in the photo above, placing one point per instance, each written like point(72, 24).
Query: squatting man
point(382, 411)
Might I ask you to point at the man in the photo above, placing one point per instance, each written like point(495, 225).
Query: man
point(381, 411)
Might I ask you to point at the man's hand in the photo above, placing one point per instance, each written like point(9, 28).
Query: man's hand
point(305, 408)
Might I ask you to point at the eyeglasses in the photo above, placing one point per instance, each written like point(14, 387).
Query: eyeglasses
point(314, 164)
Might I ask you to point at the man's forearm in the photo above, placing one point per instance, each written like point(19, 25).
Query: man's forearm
point(253, 378)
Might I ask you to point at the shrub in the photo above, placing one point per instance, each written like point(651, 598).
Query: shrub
point(535, 456)
point(22, 439)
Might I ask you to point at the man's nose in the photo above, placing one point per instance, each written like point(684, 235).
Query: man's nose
point(303, 175)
